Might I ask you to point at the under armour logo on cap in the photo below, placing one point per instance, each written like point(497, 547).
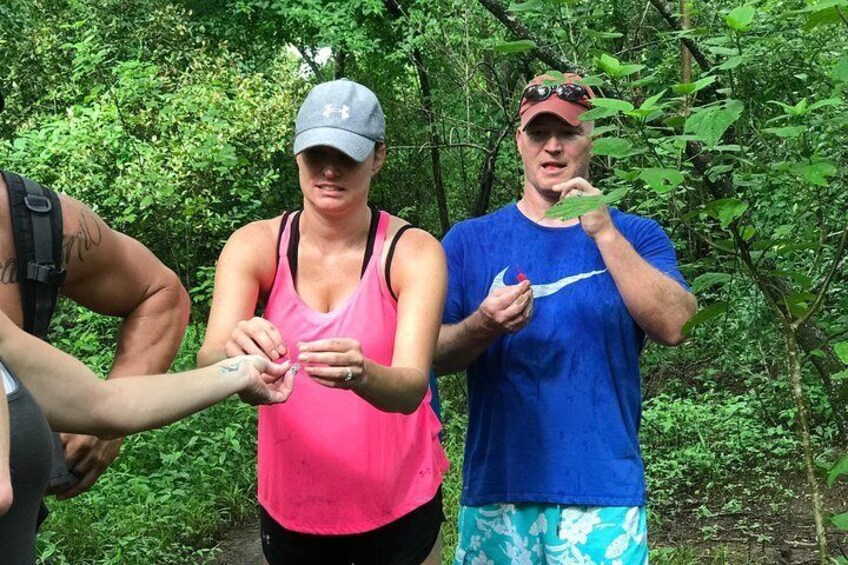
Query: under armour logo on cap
point(341, 114)
point(331, 111)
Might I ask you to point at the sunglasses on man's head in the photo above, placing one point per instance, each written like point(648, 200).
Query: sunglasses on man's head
point(568, 92)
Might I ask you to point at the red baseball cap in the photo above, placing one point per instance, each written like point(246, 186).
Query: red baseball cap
point(553, 104)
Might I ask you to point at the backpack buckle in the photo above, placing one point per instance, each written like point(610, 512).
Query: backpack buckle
point(46, 274)
point(37, 203)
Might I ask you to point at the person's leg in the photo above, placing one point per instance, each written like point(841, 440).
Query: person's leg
point(435, 557)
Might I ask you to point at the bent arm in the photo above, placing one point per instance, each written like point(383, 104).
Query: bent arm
point(420, 276)
point(245, 269)
point(113, 274)
point(462, 343)
point(658, 303)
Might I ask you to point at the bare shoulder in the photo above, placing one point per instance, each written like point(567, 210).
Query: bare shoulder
point(256, 238)
point(417, 253)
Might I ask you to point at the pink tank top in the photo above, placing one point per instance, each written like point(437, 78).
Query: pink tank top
point(329, 462)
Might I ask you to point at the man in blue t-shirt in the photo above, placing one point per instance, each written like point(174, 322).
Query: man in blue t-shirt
point(549, 319)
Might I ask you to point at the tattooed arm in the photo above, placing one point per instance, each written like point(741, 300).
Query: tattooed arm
point(113, 274)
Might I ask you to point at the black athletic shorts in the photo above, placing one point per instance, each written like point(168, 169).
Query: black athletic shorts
point(406, 541)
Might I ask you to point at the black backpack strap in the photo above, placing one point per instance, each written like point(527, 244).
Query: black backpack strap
point(391, 255)
point(37, 228)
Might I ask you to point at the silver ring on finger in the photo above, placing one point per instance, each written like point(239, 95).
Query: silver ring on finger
point(349, 375)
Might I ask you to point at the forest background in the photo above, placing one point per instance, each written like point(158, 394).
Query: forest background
point(173, 120)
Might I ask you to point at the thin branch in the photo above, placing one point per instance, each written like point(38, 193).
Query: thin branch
point(834, 268)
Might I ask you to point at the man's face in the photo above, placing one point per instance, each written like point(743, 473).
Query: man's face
point(553, 151)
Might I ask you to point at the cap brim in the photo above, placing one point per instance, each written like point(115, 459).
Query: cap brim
point(351, 144)
point(562, 109)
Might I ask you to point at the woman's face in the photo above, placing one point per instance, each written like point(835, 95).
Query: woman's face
point(332, 181)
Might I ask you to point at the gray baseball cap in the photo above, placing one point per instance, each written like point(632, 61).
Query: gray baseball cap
point(341, 114)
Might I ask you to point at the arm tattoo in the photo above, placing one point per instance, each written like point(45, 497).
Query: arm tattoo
point(234, 367)
point(9, 271)
point(88, 235)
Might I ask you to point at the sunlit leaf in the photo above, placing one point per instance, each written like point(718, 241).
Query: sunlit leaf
point(573, 207)
point(726, 210)
point(787, 132)
point(611, 146)
point(817, 173)
point(841, 350)
point(661, 180)
point(840, 521)
point(528, 6)
point(739, 19)
point(711, 123)
point(839, 469)
point(515, 46)
point(612, 104)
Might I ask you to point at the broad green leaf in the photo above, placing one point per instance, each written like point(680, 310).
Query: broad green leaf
point(839, 72)
point(726, 210)
point(840, 376)
point(731, 63)
point(841, 350)
point(817, 173)
point(603, 34)
point(597, 114)
point(704, 316)
point(612, 104)
point(828, 16)
point(602, 129)
point(827, 102)
point(609, 64)
point(515, 46)
point(661, 180)
point(711, 123)
point(839, 469)
point(840, 521)
point(787, 132)
point(611, 146)
point(709, 280)
point(798, 302)
point(528, 6)
point(627, 70)
point(651, 102)
point(688, 88)
point(570, 208)
point(823, 5)
point(739, 19)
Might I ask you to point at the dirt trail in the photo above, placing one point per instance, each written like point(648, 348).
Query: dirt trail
point(241, 545)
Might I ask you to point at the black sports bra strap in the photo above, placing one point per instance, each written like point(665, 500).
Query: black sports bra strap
point(280, 238)
point(372, 235)
point(294, 242)
point(391, 254)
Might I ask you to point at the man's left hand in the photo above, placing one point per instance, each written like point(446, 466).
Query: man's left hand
point(596, 222)
point(87, 458)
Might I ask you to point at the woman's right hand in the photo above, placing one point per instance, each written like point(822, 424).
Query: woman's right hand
point(256, 336)
point(264, 381)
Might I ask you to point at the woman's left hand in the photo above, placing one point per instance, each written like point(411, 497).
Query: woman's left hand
point(336, 362)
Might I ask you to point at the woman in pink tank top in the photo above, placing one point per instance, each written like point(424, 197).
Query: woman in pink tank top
point(350, 467)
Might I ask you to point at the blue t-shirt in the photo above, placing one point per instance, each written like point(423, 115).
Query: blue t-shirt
point(554, 408)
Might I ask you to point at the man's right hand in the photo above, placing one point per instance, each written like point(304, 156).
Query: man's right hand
point(256, 336)
point(507, 309)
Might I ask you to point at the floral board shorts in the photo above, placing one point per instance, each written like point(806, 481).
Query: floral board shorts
point(527, 533)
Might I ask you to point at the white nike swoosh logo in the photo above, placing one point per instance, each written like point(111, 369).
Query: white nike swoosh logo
point(540, 290)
